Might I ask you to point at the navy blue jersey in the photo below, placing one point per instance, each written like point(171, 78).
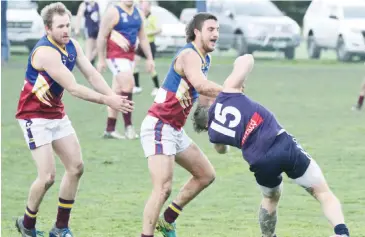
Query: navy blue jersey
point(236, 120)
point(92, 16)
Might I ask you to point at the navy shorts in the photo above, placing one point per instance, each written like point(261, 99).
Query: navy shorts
point(91, 32)
point(285, 155)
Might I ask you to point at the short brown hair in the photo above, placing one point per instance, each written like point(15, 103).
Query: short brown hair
point(197, 23)
point(50, 10)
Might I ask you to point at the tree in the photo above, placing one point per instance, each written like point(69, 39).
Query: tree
point(176, 7)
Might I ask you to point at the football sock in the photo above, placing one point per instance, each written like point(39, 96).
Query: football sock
point(360, 101)
point(64, 211)
point(110, 124)
point(128, 116)
point(172, 212)
point(30, 218)
point(341, 229)
point(155, 80)
point(136, 79)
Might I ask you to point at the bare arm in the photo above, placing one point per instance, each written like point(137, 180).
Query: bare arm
point(80, 12)
point(145, 45)
point(205, 100)
point(108, 20)
point(95, 79)
point(191, 64)
point(49, 60)
point(242, 68)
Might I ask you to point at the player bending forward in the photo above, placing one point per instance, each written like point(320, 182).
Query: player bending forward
point(236, 120)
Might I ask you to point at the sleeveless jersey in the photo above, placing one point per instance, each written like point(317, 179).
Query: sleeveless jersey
point(128, 26)
point(91, 14)
point(175, 98)
point(41, 95)
point(236, 120)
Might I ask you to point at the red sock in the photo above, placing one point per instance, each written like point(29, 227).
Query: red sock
point(360, 101)
point(110, 124)
point(172, 212)
point(30, 218)
point(128, 116)
point(64, 211)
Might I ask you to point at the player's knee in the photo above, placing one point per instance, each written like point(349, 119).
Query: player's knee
point(208, 178)
point(76, 169)
point(47, 179)
point(164, 191)
point(272, 195)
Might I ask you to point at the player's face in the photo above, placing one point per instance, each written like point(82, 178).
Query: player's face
point(61, 29)
point(128, 3)
point(209, 35)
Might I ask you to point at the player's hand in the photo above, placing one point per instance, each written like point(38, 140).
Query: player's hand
point(101, 66)
point(150, 65)
point(124, 44)
point(120, 103)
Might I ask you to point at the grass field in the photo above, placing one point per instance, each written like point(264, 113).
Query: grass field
point(310, 99)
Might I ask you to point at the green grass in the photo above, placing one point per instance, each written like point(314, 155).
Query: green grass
point(310, 99)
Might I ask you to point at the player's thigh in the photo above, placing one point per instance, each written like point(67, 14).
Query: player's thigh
point(69, 151)
point(273, 192)
point(66, 145)
point(45, 162)
point(161, 168)
point(191, 158)
point(36, 132)
point(38, 136)
point(313, 178)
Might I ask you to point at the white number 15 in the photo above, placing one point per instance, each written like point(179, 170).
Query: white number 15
point(221, 116)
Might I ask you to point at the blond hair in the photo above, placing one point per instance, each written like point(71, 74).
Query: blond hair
point(50, 10)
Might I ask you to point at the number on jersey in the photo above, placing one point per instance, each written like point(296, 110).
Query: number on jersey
point(220, 115)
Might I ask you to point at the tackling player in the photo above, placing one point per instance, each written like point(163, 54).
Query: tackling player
point(238, 121)
point(120, 26)
point(163, 138)
point(42, 117)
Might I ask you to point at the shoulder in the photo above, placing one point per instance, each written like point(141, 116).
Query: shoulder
point(75, 43)
point(190, 56)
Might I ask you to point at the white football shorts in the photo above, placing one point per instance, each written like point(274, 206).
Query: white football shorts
point(39, 131)
point(160, 138)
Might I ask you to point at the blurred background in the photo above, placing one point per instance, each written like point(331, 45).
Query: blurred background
point(319, 29)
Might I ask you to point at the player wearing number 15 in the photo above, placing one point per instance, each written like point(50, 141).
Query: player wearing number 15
point(236, 120)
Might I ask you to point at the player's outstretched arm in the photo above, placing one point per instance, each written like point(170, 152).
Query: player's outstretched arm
point(241, 69)
point(49, 60)
point(95, 79)
point(191, 65)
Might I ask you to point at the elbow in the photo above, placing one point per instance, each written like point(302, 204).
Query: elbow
point(72, 89)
